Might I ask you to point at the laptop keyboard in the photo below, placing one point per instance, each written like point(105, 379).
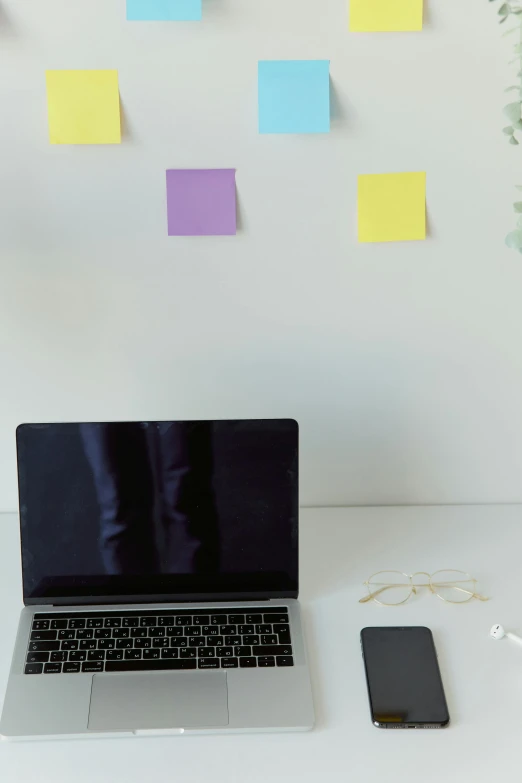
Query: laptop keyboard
point(92, 642)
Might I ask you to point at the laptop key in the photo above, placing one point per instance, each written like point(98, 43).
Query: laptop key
point(231, 641)
point(197, 641)
point(120, 633)
point(173, 631)
point(78, 655)
point(225, 652)
point(161, 641)
point(247, 663)
point(236, 619)
point(77, 623)
point(124, 644)
point(40, 636)
point(33, 668)
point(202, 619)
point(93, 666)
point(245, 629)
point(157, 631)
point(189, 652)
point(95, 622)
point(66, 634)
point(266, 661)
point(52, 668)
point(179, 642)
point(114, 655)
point(44, 646)
point(112, 622)
point(88, 644)
point(251, 640)
point(217, 619)
point(132, 655)
point(138, 633)
point(165, 621)
point(206, 652)
point(274, 649)
point(243, 652)
point(215, 641)
point(210, 630)
point(229, 663)
point(254, 618)
point(84, 633)
point(192, 630)
point(148, 666)
point(41, 657)
point(263, 628)
point(284, 660)
point(57, 624)
point(102, 633)
point(71, 668)
point(148, 621)
point(57, 656)
point(276, 618)
point(142, 644)
point(269, 638)
point(130, 622)
point(284, 634)
point(149, 654)
point(206, 664)
point(40, 625)
point(183, 620)
point(96, 655)
point(106, 644)
point(170, 652)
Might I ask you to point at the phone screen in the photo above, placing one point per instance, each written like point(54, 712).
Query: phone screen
point(404, 682)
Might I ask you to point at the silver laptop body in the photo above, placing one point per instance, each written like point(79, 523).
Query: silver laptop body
point(160, 570)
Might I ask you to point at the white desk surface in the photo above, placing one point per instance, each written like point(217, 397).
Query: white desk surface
point(339, 549)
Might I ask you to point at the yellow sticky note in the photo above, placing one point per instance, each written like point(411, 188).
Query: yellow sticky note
point(83, 107)
point(392, 207)
point(385, 16)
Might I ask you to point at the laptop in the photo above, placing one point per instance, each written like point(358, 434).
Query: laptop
point(160, 581)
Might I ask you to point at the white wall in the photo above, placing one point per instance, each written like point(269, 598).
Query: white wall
point(402, 362)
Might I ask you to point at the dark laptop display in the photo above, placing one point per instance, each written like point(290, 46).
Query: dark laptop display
point(147, 511)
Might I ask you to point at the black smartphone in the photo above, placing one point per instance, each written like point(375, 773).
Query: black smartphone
point(404, 683)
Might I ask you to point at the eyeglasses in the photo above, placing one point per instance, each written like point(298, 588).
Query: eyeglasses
point(391, 588)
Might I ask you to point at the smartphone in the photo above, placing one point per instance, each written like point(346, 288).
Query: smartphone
point(404, 683)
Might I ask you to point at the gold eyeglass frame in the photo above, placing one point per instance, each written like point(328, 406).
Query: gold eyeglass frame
point(372, 593)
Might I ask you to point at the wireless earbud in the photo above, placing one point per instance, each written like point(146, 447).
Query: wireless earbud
point(498, 632)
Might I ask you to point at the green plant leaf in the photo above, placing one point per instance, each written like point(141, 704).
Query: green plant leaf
point(517, 48)
point(519, 221)
point(504, 19)
point(514, 240)
point(518, 187)
point(518, 125)
point(517, 206)
point(508, 130)
point(513, 140)
point(513, 87)
point(504, 9)
point(513, 111)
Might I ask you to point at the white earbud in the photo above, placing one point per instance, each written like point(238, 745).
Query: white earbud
point(497, 632)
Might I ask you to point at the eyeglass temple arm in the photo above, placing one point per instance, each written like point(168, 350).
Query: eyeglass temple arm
point(373, 595)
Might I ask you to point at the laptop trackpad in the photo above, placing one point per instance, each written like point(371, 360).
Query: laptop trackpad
point(158, 701)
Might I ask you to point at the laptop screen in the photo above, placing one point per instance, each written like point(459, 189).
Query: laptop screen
point(153, 511)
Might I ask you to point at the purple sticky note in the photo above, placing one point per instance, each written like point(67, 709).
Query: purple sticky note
point(201, 202)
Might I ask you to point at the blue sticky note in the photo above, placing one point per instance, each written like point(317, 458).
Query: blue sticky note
point(164, 10)
point(294, 96)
